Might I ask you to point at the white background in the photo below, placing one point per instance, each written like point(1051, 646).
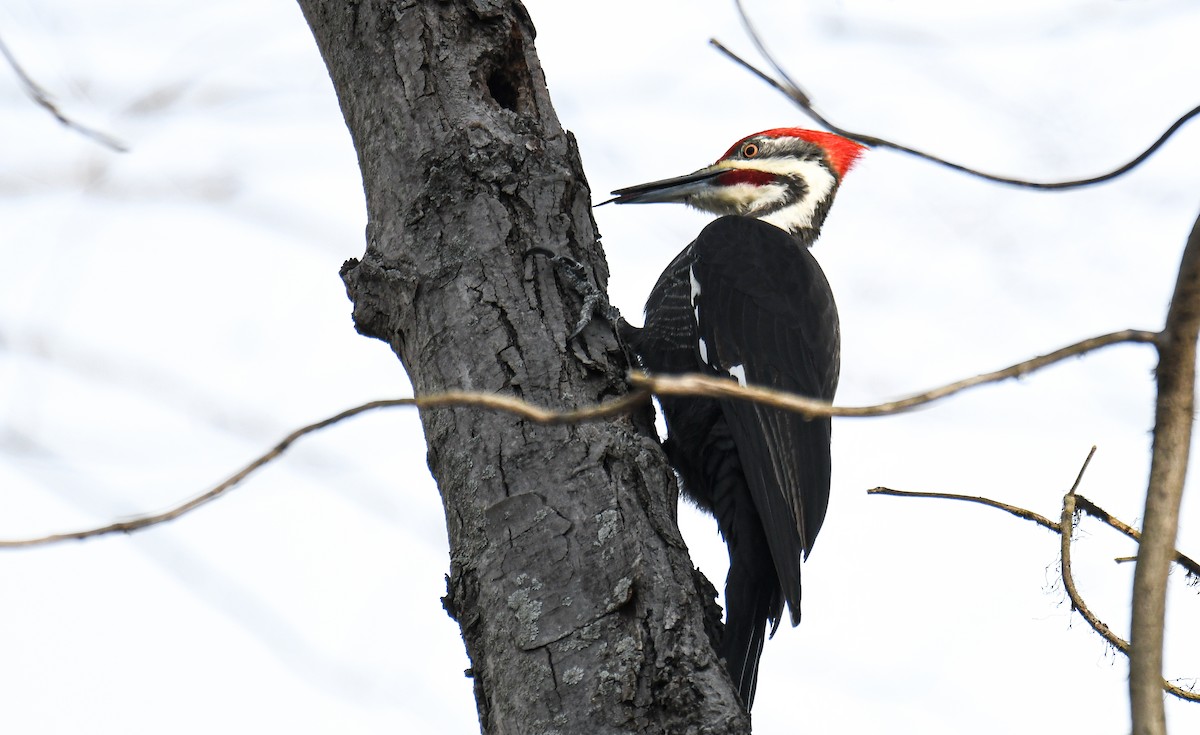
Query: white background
point(169, 313)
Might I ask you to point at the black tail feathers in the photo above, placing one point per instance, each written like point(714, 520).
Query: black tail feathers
point(751, 603)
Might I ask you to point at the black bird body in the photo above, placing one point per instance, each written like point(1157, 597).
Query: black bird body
point(764, 311)
point(746, 300)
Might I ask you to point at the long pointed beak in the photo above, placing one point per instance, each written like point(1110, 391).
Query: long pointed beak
point(677, 189)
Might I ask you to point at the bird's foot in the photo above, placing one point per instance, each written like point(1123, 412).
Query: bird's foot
point(595, 303)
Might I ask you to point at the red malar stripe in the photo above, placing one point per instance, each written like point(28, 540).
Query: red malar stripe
point(745, 176)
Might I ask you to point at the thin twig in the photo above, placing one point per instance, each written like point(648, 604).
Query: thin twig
point(1083, 504)
point(1066, 531)
point(722, 388)
point(1022, 513)
point(1065, 528)
point(536, 414)
point(42, 98)
point(789, 86)
point(792, 90)
point(1083, 468)
point(151, 519)
point(644, 385)
point(448, 399)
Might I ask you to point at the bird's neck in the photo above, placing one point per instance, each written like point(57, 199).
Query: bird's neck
point(806, 236)
point(804, 230)
point(803, 217)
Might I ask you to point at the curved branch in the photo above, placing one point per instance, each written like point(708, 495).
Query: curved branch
point(448, 399)
point(1021, 513)
point(792, 91)
point(712, 387)
point(1066, 530)
point(153, 519)
point(644, 386)
point(1065, 527)
point(1082, 504)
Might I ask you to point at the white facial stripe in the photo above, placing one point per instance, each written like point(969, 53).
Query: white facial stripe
point(755, 199)
point(799, 214)
point(783, 166)
point(739, 372)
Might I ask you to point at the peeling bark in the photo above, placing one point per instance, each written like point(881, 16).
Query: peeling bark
point(568, 577)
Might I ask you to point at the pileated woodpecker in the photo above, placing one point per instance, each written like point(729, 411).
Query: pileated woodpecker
point(747, 300)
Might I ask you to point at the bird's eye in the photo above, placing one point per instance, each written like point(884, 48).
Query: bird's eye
point(749, 150)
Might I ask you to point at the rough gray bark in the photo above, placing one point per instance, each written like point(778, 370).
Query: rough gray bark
point(568, 577)
point(1174, 414)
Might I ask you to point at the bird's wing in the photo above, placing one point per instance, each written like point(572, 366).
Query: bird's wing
point(766, 316)
point(667, 343)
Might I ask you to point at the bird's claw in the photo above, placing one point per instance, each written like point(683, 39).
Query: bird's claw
point(594, 301)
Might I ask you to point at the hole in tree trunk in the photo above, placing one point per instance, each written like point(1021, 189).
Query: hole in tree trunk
point(503, 90)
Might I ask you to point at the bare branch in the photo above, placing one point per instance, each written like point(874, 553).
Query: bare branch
point(644, 386)
point(1083, 504)
point(792, 90)
point(1022, 513)
point(449, 399)
point(701, 385)
point(1065, 527)
point(42, 98)
point(789, 87)
point(152, 519)
point(1174, 414)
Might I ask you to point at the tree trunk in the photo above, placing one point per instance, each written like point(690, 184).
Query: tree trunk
point(573, 589)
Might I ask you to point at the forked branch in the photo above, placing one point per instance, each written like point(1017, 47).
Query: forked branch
point(1065, 527)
